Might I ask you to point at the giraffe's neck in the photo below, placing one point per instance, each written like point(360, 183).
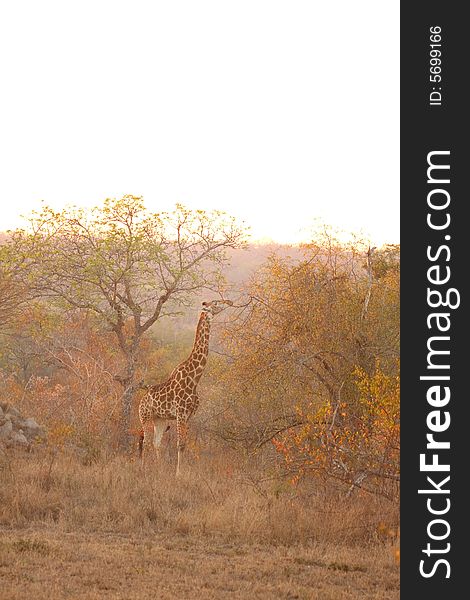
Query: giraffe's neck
point(198, 358)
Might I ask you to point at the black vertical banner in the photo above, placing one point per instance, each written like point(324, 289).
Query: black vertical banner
point(435, 240)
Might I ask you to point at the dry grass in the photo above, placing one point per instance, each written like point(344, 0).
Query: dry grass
point(111, 530)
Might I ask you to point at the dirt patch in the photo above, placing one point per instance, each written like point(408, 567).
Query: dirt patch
point(48, 565)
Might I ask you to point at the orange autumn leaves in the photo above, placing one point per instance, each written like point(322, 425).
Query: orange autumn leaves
point(315, 365)
point(358, 444)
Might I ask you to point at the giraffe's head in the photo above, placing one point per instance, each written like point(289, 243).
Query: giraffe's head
point(215, 307)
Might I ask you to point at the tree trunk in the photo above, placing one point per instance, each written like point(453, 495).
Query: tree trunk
point(130, 387)
point(126, 441)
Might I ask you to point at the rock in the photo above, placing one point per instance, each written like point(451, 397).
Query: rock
point(30, 423)
point(12, 411)
point(31, 429)
point(12, 417)
point(16, 431)
point(19, 439)
point(6, 430)
point(1, 412)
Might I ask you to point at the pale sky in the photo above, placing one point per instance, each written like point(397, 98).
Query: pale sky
point(278, 112)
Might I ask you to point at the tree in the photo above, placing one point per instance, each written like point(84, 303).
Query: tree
point(12, 294)
point(357, 444)
point(314, 364)
point(124, 264)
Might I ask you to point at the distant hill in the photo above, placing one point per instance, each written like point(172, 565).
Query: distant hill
point(243, 263)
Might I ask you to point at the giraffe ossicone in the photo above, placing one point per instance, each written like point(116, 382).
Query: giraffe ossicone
point(176, 398)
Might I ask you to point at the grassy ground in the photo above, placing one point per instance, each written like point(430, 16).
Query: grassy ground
point(111, 530)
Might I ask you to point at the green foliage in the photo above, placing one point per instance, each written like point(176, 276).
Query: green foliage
point(121, 261)
point(125, 265)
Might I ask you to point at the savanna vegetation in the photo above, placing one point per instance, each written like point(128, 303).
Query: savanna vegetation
point(291, 480)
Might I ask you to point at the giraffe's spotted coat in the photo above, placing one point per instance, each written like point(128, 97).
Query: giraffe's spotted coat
point(176, 398)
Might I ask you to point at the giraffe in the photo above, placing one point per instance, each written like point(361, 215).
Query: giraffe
point(176, 398)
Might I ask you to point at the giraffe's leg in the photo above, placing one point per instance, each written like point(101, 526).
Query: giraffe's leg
point(144, 439)
point(181, 435)
point(195, 403)
point(141, 442)
point(159, 428)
